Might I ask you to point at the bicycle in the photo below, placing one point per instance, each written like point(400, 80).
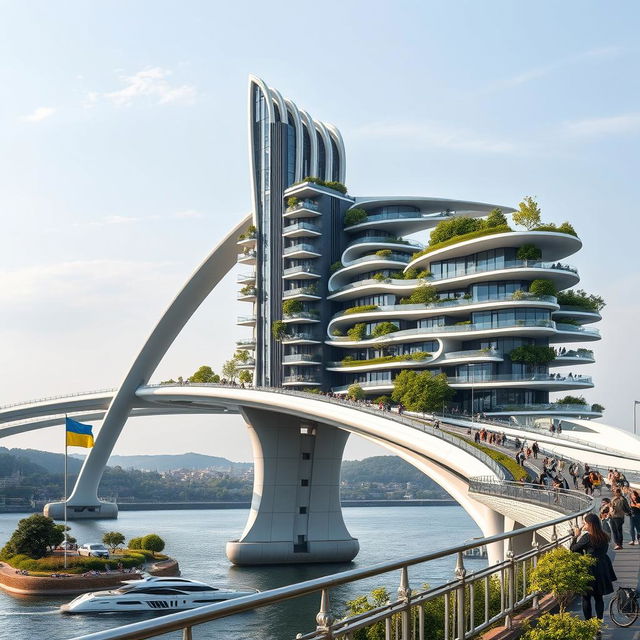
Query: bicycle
point(624, 608)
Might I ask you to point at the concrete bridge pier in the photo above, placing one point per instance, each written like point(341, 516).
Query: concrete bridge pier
point(295, 513)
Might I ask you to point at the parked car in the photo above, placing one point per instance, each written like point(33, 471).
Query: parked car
point(96, 549)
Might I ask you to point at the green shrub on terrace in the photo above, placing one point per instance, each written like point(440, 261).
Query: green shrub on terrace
point(423, 294)
point(542, 287)
point(335, 266)
point(348, 361)
point(292, 306)
point(278, 330)
point(315, 390)
point(529, 252)
point(502, 459)
point(456, 239)
point(454, 227)
point(330, 184)
point(462, 322)
point(597, 407)
point(360, 309)
point(564, 626)
point(384, 253)
point(412, 273)
point(571, 400)
point(565, 227)
point(354, 216)
point(292, 201)
point(75, 564)
point(358, 331)
point(380, 277)
point(533, 354)
point(355, 392)
point(337, 332)
point(580, 298)
point(496, 219)
point(383, 328)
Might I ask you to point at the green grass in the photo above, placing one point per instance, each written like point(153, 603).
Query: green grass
point(462, 238)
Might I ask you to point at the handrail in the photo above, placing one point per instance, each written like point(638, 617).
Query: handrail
point(68, 395)
point(328, 629)
point(415, 424)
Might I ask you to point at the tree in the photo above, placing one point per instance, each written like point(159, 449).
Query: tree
point(454, 227)
point(563, 574)
point(597, 407)
point(204, 375)
point(533, 354)
point(528, 214)
point(358, 331)
point(423, 294)
point(355, 392)
point(580, 298)
point(496, 219)
point(421, 391)
point(278, 330)
point(542, 287)
point(246, 377)
point(230, 369)
point(153, 542)
point(571, 400)
point(529, 252)
point(113, 539)
point(383, 328)
point(34, 536)
point(292, 306)
point(135, 543)
point(562, 626)
point(354, 216)
point(65, 535)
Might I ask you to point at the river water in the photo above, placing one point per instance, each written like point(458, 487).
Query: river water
point(197, 540)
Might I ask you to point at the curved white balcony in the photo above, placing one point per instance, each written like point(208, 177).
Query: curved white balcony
point(573, 357)
point(301, 293)
point(249, 242)
point(300, 359)
point(302, 250)
point(300, 337)
point(459, 307)
point(553, 245)
point(304, 209)
point(301, 381)
point(544, 381)
point(380, 387)
point(453, 358)
point(248, 257)
point(374, 365)
point(247, 296)
point(532, 328)
point(301, 272)
point(365, 264)
point(246, 321)
point(579, 314)
point(249, 344)
point(301, 230)
point(574, 333)
point(250, 363)
point(311, 190)
point(246, 278)
point(301, 317)
point(372, 244)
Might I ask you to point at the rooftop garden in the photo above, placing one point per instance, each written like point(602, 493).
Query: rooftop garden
point(418, 356)
point(580, 298)
point(528, 215)
point(249, 233)
point(330, 184)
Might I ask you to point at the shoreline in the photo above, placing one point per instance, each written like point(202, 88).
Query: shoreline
point(178, 506)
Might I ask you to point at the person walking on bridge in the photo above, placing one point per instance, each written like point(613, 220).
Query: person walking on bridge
point(591, 540)
point(535, 448)
point(634, 519)
point(619, 508)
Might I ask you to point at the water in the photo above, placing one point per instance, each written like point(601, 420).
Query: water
point(197, 540)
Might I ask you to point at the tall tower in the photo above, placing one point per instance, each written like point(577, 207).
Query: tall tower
point(351, 290)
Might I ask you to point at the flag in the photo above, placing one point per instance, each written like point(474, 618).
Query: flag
point(78, 434)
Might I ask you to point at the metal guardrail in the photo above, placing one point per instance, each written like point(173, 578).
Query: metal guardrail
point(468, 609)
point(48, 399)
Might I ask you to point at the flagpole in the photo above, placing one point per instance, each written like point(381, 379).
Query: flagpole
point(66, 538)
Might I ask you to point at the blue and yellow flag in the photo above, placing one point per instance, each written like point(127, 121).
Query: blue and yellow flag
point(78, 434)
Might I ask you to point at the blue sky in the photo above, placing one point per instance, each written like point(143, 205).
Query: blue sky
point(124, 160)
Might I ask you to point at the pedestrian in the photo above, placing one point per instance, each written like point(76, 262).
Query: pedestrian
point(586, 483)
point(591, 540)
point(535, 448)
point(619, 508)
point(605, 514)
point(634, 519)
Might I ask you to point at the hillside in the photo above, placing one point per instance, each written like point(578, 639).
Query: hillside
point(179, 461)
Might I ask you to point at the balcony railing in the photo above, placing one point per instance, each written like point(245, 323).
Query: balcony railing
point(297, 248)
point(246, 277)
point(301, 315)
point(300, 226)
point(247, 255)
point(301, 379)
point(405, 258)
point(301, 269)
point(548, 406)
point(463, 328)
point(303, 204)
point(245, 344)
point(301, 357)
point(480, 378)
point(388, 240)
point(561, 326)
point(510, 264)
point(473, 353)
point(291, 337)
point(582, 354)
point(300, 291)
point(245, 319)
point(247, 294)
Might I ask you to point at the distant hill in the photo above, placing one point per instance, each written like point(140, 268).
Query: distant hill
point(178, 461)
point(50, 462)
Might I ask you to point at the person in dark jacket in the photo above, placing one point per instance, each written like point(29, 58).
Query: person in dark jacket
point(591, 540)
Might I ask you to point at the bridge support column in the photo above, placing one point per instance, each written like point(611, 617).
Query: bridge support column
point(295, 513)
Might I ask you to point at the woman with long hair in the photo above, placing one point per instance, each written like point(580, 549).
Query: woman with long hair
point(634, 520)
point(591, 540)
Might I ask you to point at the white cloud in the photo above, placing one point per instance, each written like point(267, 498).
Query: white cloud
point(39, 114)
point(151, 84)
point(614, 125)
point(432, 134)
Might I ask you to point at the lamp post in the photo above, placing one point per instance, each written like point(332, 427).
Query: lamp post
point(635, 404)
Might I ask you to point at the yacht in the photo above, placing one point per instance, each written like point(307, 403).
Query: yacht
point(153, 594)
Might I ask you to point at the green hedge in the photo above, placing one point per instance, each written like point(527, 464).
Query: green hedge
point(503, 459)
point(457, 239)
point(417, 356)
point(360, 309)
point(75, 564)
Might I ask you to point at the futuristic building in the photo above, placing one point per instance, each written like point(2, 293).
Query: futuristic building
point(350, 290)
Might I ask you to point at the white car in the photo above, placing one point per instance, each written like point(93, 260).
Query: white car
point(95, 549)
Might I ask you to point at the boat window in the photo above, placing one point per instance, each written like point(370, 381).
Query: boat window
point(203, 601)
point(195, 587)
point(128, 602)
point(164, 591)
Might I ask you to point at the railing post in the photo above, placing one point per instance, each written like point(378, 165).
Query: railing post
point(508, 622)
point(554, 536)
point(461, 572)
point(324, 619)
point(186, 634)
point(534, 561)
point(404, 594)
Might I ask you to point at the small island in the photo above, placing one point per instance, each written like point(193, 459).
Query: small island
point(32, 562)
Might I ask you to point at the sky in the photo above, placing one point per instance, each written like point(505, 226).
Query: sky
point(124, 160)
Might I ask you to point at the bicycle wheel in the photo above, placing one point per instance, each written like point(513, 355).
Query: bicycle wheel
point(623, 615)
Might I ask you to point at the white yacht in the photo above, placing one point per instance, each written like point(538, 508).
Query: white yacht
point(152, 594)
